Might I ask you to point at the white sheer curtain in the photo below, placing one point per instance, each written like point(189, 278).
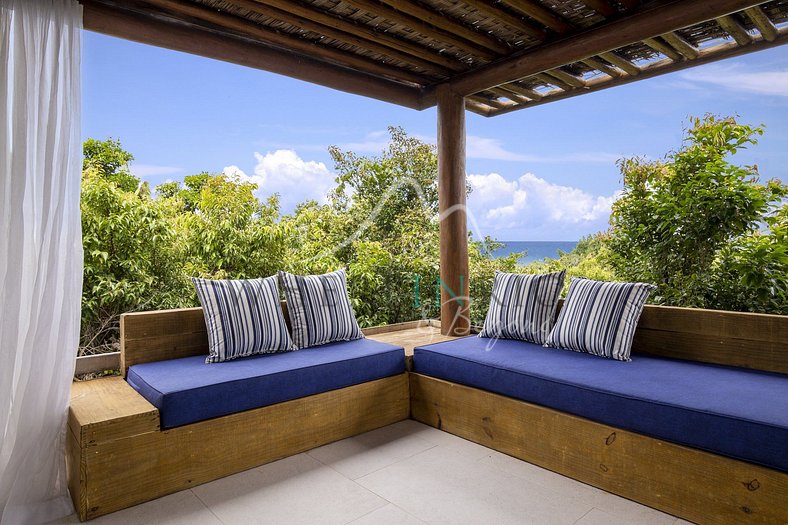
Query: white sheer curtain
point(40, 251)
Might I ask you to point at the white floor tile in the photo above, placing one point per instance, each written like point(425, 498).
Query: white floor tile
point(371, 451)
point(295, 490)
point(388, 515)
point(440, 486)
point(181, 508)
point(448, 441)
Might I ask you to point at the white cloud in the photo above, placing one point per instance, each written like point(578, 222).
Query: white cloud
point(148, 170)
point(284, 172)
point(533, 208)
point(737, 77)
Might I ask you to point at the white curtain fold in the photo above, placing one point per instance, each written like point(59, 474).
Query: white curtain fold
point(40, 251)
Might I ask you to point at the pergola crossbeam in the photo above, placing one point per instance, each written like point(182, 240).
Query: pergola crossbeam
point(765, 26)
point(642, 24)
point(735, 29)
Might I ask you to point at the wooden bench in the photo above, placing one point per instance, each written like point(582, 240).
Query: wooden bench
point(118, 456)
point(695, 485)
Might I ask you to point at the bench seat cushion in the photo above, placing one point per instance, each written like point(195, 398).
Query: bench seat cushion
point(729, 411)
point(187, 390)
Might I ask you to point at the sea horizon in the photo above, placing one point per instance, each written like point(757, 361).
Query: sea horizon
point(535, 250)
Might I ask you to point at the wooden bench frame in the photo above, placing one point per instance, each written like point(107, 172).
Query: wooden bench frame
point(118, 456)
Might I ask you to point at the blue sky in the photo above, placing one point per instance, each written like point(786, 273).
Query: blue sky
point(544, 173)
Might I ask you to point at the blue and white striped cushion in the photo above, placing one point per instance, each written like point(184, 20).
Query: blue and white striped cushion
point(319, 308)
point(523, 306)
point(599, 317)
point(243, 317)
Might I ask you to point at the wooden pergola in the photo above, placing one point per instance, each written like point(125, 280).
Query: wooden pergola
point(487, 56)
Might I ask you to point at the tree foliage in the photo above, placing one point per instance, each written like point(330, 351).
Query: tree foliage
point(704, 230)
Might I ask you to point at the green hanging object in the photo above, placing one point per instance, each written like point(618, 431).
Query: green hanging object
point(437, 292)
point(416, 290)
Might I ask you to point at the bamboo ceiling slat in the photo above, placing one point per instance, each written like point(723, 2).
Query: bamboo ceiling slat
point(479, 48)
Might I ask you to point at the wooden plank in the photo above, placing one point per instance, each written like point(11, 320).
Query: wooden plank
point(735, 29)
point(601, 66)
point(765, 26)
point(124, 472)
point(709, 348)
point(529, 93)
point(622, 63)
point(689, 483)
point(707, 55)
point(76, 473)
point(395, 328)
point(567, 78)
point(644, 23)
point(455, 298)
point(450, 25)
point(108, 408)
point(409, 339)
point(88, 364)
point(684, 48)
point(658, 45)
point(120, 23)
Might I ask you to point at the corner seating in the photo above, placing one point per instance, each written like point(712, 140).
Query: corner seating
point(120, 452)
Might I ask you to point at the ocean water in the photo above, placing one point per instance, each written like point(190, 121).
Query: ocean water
point(535, 250)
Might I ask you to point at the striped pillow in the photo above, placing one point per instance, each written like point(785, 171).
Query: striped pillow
point(243, 317)
point(319, 308)
point(523, 306)
point(600, 317)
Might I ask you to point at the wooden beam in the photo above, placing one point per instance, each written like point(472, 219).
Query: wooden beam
point(602, 7)
point(516, 88)
point(455, 307)
point(722, 51)
point(686, 49)
point(552, 81)
point(256, 31)
point(512, 21)
point(658, 45)
point(601, 66)
point(570, 79)
point(489, 101)
point(735, 29)
point(645, 23)
point(421, 27)
point(477, 107)
point(621, 63)
point(368, 33)
point(444, 21)
point(351, 33)
point(765, 26)
point(514, 97)
point(147, 30)
point(541, 14)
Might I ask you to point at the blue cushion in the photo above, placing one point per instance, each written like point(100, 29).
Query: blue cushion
point(188, 390)
point(734, 412)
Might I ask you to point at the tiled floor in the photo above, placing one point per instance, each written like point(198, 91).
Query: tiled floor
point(406, 473)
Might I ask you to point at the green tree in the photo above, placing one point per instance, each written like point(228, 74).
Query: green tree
point(108, 159)
point(684, 223)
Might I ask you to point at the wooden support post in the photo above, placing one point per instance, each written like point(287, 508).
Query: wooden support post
point(453, 218)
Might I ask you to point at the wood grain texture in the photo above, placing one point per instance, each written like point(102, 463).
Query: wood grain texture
point(413, 337)
point(122, 472)
point(695, 485)
point(643, 23)
point(109, 408)
point(116, 22)
point(454, 264)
